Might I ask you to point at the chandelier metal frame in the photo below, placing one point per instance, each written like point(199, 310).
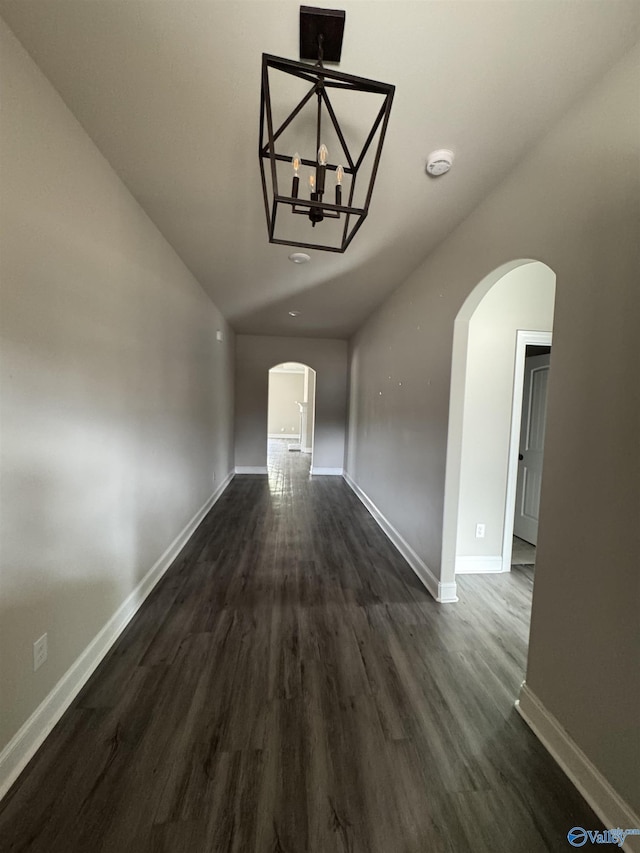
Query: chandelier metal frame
point(322, 80)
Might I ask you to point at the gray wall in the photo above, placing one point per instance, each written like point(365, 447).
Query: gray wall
point(116, 396)
point(255, 355)
point(310, 399)
point(285, 391)
point(573, 203)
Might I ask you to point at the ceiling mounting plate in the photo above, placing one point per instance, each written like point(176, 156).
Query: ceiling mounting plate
point(326, 22)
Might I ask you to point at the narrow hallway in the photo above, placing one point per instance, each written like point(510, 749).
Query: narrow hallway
point(290, 686)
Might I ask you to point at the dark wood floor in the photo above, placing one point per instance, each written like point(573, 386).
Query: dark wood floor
point(289, 686)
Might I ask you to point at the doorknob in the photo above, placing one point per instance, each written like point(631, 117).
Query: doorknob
point(520, 457)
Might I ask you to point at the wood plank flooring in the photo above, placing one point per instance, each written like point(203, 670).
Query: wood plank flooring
point(289, 686)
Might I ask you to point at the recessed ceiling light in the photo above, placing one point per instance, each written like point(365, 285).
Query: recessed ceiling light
point(294, 313)
point(299, 257)
point(439, 162)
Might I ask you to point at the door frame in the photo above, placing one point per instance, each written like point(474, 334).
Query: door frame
point(523, 338)
point(277, 368)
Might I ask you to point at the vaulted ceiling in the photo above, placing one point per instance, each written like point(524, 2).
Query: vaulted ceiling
point(169, 92)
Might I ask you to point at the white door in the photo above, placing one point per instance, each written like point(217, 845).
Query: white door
point(532, 426)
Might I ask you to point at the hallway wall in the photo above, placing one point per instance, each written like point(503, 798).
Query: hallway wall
point(573, 203)
point(310, 399)
point(116, 396)
point(255, 355)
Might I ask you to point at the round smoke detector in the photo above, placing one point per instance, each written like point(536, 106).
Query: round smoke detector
point(439, 162)
point(299, 258)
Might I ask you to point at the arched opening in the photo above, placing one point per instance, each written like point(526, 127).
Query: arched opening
point(291, 416)
point(510, 309)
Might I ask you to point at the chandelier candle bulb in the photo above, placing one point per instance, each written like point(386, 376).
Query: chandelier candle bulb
point(322, 167)
point(296, 179)
point(315, 214)
point(339, 176)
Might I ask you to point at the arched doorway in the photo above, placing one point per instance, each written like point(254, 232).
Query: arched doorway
point(291, 413)
point(484, 411)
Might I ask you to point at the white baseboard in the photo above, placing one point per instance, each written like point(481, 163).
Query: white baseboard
point(28, 739)
point(251, 469)
point(603, 799)
point(329, 472)
point(478, 565)
point(290, 436)
point(442, 592)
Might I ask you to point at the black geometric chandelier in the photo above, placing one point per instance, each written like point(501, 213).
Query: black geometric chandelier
point(319, 199)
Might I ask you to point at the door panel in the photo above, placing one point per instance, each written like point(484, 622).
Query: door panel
point(532, 429)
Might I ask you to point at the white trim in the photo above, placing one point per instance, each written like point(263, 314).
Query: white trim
point(299, 371)
point(478, 565)
point(597, 791)
point(251, 469)
point(307, 449)
point(330, 472)
point(289, 436)
point(442, 592)
point(523, 338)
point(28, 739)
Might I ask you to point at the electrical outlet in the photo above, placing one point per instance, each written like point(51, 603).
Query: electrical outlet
point(39, 652)
point(480, 528)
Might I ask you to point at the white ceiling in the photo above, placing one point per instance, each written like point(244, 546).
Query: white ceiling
point(169, 91)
